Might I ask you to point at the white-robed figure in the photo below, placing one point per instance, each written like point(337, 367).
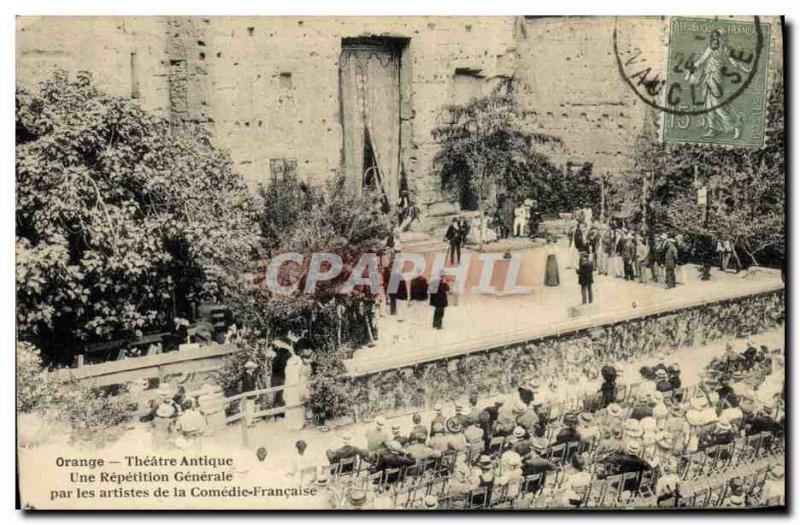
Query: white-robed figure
point(295, 394)
point(708, 73)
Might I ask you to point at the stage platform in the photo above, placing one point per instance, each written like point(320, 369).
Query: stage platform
point(479, 322)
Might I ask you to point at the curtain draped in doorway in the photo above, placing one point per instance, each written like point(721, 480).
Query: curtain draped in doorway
point(370, 89)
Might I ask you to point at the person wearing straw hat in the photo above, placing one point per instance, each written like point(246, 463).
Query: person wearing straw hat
point(734, 501)
point(418, 431)
point(438, 416)
point(628, 461)
point(163, 424)
point(721, 435)
point(537, 462)
point(610, 441)
point(377, 436)
point(510, 474)
point(429, 502)
point(397, 435)
point(191, 425)
point(357, 499)
point(460, 416)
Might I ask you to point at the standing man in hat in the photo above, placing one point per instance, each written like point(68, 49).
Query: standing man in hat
point(642, 256)
point(585, 277)
point(628, 256)
point(453, 237)
point(438, 300)
point(670, 261)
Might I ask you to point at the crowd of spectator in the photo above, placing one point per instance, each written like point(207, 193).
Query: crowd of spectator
point(656, 443)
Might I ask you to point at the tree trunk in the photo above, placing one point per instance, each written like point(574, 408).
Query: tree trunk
point(480, 233)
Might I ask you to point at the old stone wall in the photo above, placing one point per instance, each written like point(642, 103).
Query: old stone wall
point(268, 87)
point(501, 369)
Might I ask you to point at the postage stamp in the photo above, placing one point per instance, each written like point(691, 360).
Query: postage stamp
point(716, 82)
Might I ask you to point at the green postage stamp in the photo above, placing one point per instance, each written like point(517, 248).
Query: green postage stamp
point(716, 83)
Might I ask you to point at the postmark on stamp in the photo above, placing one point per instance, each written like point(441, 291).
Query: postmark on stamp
point(716, 82)
point(714, 87)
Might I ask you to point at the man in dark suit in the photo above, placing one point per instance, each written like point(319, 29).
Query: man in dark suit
point(453, 237)
point(438, 300)
point(670, 260)
point(570, 432)
point(536, 462)
point(394, 457)
point(346, 451)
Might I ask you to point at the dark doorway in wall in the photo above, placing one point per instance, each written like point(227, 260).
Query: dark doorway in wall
point(371, 98)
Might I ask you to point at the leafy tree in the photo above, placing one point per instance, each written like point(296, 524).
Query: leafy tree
point(489, 141)
point(122, 221)
point(307, 219)
point(747, 190)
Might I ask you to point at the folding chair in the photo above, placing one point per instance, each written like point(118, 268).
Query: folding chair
point(613, 487)
point(496, 445)
point(499, 496)
point(716, 495)
point(436, 487)
point(346, 468)
point(599, 489)
point(619, 393)
point(477, 498)
point(572, 448)
point(375, 480)
point(532, 484)
point(407, 497)
point(446, 463)
point(696, 465)
point(699, 499)
point(647, 483)
point(556, 453)
point(391, 476)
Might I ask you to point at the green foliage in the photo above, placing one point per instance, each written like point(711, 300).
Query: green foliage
point(35, 389)
point(122, 221)
point(303, 218)
point(747, 190)
point(330, 393)
point(327, 218)
point(251, 348)
point(92, 414)
point(490, 139)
